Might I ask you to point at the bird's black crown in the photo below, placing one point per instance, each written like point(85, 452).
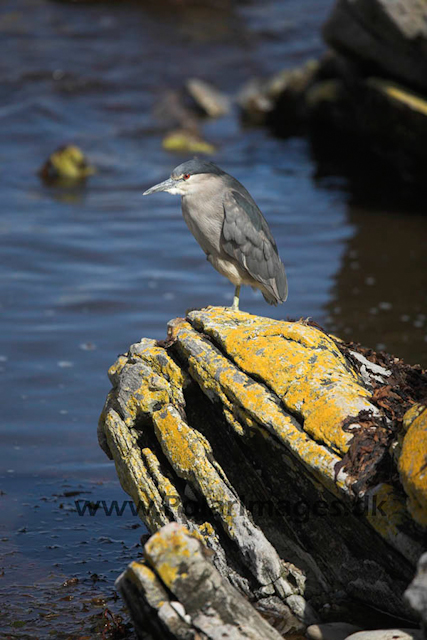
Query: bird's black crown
point(197, 166)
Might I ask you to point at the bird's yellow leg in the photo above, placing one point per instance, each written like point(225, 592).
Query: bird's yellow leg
point(235, 305)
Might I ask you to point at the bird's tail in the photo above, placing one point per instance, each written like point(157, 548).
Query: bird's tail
point(282, 283)
point(278, 289)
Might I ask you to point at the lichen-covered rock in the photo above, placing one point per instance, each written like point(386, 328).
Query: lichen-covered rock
point(270, 441)
point(413, 462)
point(186, 595)
point(301, 365)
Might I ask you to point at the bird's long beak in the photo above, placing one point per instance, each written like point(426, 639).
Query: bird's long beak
point(166, 185)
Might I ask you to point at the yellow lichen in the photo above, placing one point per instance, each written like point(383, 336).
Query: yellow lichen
point(185, 141)
point(135, 478)
point(115, 370)
point(145, 579)
point(301, 364)
point(67, 163)
point(413, 462)
point(400, 94)
point(248, 404)
point(168, 491)
point(165, 554)
point(412, 414)
point(207, 530)
point(167, 372)
point(190, 456)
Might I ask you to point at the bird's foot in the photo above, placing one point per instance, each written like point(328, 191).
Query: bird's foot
point(232, 308)
point(304, 321)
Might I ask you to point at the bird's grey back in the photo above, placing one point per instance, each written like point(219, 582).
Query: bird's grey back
point(248, 238)
point(251, 208)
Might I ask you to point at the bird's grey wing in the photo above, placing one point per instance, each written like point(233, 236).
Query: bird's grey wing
point(247, 238)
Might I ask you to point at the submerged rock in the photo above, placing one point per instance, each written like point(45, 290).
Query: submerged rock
point(185, 141)
point(271, 442)
point(66, 166)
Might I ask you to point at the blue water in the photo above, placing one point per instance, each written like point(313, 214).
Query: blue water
point(87, 272)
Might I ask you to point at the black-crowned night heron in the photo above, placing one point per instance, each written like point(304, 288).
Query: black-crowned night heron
point(229, 227)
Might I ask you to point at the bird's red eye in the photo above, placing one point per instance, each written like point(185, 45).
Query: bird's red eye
point(186, 176)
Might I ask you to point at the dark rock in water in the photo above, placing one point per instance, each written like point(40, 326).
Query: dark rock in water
point(363, 101)
point(389, 37)
point(374, 96)
point(279, 101)
point(372, 117)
